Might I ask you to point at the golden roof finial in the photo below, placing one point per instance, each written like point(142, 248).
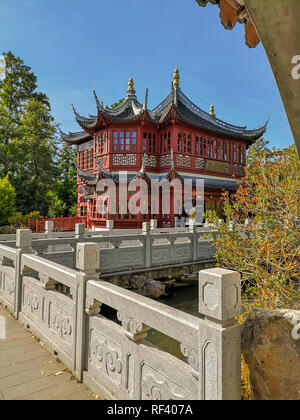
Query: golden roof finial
point(176, 78)
point(212, 111)
point(130, 82)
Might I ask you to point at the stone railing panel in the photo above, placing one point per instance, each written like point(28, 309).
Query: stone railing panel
point(50, 313)
point(126, 370)
point(121, 259)
point(7, 286)
point(63, 307)
point(8, 259)
point(141, 310)
point(51, 316)
point(171, 253)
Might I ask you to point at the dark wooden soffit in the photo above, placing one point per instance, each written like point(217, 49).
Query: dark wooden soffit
point(233, 12)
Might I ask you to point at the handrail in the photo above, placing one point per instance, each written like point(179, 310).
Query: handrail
point(7, 252)
point(172, 322)
point(57, 272)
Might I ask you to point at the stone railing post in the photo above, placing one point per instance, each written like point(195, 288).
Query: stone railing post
point(110, 225)
point(87, 263)
point(219, 335)
point(23, 243)
point(153, 225)
point(147, 251)
point(80, 232)
point(49, 228)
point(193, 230)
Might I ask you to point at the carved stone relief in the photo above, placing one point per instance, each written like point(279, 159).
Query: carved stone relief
point(158, 386)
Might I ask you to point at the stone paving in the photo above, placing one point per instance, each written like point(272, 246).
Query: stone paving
point(29, 372)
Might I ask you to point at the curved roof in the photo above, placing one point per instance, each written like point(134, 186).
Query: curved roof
point(188, 112)
point(176, 105)
point(75, 138)
point(87, 178)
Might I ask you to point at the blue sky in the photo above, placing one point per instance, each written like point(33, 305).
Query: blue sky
point(75, 46)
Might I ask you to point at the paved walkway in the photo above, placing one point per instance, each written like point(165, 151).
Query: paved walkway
point(29, 372)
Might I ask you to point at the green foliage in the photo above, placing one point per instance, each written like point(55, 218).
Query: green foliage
point(66, 183)
point(116, 104)
point(7, 230)
point(35, 152)
point(29, 150)
point(13, 220)
point(23, 219)
point(27, 136)
point(16, 89)
point(74, 210)
point(56, 207)
point(7, 200)
point(265, 249)
point(34, 215)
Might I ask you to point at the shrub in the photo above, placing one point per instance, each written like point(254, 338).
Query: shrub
point(73, 210)
point(265, 249)
point(260, 237)
point(7, 200)
point(7, 230)
point(56, 207)
point(23, 219)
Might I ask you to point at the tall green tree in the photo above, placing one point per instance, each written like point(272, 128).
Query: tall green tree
point(28, 148)
point(16, 89)
point(35, 152)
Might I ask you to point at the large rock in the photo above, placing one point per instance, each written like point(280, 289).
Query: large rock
point(147, 287)
point(153, 289)
point(138, 282)
point(271, 347)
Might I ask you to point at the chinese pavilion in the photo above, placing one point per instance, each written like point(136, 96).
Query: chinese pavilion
point(175, 139)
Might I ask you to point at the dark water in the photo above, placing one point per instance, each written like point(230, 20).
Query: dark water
point(184, 299)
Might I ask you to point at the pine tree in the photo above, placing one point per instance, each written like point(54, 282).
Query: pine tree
point(28, 146)
point(16, 89)
point(35, 152)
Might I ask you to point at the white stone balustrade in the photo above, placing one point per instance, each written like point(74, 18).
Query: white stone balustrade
point(63, 307)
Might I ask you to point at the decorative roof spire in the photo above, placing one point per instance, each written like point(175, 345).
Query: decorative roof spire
point(176, 78)
point(146, 100)
point(99, 106)
point(131, 90)
point(212, 111)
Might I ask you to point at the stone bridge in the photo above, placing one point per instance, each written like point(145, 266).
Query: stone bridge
point(59, 297)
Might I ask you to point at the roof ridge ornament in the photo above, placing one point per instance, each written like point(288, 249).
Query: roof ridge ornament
point(146, 100)
point(130, 89)
point(99, 106)
point(176, 78)
point(172, 168)
point(212, 110)
point(176, 83)
point(74, 110)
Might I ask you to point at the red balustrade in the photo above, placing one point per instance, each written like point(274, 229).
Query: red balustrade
point(61, 224)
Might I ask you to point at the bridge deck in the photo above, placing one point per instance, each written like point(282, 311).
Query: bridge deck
point(29, 372)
